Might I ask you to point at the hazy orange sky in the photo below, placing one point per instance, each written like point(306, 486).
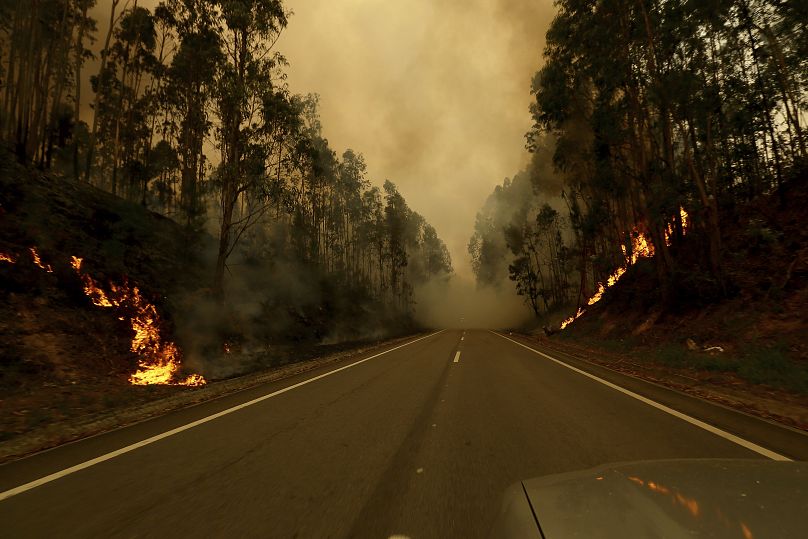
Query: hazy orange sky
point(434, 93)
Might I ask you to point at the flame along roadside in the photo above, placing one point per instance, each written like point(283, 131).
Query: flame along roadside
point(160, 359)
point(641, 247)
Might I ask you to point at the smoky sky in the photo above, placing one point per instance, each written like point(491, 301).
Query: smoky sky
point(434, 93)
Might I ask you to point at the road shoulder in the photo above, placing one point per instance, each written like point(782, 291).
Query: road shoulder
point(117, 417)
point(782, 439)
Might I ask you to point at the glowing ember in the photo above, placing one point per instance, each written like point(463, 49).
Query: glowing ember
point(159, 360)
point(640, 247)
point(38, 261)
point(684, 218)
point(5, 257)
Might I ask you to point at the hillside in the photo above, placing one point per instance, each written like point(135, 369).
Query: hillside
point(750, 344)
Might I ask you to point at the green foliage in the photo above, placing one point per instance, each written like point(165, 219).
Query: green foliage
point(759, 364)
point(679, 356)
point(656, 107)
point(771, 365)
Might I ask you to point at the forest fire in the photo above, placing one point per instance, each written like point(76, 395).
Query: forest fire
point(685, 220)
point(641, 247)
point(160, 361)
point(572, 319)
point(38, 261)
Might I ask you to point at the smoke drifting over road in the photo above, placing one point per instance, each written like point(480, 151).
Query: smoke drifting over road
point(461, 304)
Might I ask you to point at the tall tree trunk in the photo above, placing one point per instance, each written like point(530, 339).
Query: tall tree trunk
point(79, 52)
point(104, 55)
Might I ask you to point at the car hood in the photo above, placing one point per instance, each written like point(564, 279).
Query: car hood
point(675, 498)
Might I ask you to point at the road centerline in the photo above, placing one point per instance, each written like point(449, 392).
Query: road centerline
point(457, 357)
point(148, 441)
point(692, 420)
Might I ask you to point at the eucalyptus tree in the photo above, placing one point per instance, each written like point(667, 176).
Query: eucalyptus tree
point(99, 82)
point(187, 94)
point(122, 130)
point(86, 28)
point(250, 69)
point(36, 112)
point(661, 106)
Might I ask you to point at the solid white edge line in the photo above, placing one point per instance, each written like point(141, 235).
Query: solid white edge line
point(692, 420)
point(118, 452)
point(457, 357)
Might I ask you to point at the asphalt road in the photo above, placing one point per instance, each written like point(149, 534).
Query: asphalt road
point(417, 442)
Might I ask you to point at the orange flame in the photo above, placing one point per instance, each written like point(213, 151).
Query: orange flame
point(159, 360)
point(573, 318)
point(641, 247)
point(684, 217)
point(38, 261)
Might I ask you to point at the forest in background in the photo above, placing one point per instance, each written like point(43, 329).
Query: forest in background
point(656, 126)
point(190, 117)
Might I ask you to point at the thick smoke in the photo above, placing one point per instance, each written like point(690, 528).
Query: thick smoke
point(512, 205)
point(460, 303)
point(435, 94)
point(275, 305)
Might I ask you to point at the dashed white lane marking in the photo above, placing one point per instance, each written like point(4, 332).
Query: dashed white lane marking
point(461, 338)
point(457, 357)
point(118, 452)
point(692, 420)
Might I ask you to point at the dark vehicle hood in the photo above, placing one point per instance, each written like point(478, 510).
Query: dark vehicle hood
point(671, 499)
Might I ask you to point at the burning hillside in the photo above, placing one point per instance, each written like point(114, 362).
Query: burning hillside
point(641, 247)
point(159, 361)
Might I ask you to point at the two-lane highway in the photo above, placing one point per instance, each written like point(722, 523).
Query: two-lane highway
point(418, 441)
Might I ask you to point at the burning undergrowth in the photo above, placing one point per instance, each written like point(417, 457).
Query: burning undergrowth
point(641, 247)
point(159, 359)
